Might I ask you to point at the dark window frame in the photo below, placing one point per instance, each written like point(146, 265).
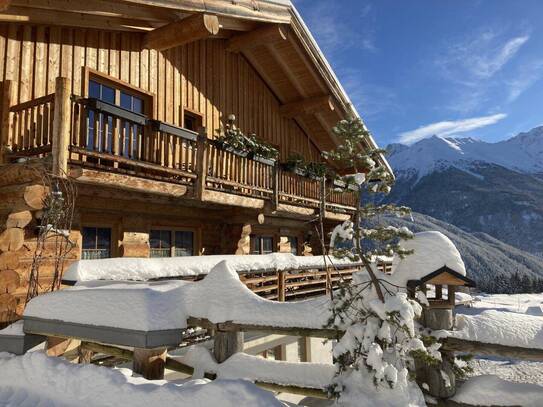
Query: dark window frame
point(173, 250)
point(87, 253)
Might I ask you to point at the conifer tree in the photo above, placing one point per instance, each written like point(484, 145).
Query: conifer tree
point(381, 338)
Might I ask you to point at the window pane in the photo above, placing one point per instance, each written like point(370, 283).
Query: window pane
point(267, 245)
point(154, 239)
point(103, 238)
point(184, 245)
point(126, 101)
point(293, 245)
point(255, 244)
point(94, 89)
point(165, 239)
point(137, 105)
point(108, 94)
point(89, 238)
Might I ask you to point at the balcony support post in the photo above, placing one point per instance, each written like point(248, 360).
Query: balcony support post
point(61, 126)
point(5, 123)
point(201, 163)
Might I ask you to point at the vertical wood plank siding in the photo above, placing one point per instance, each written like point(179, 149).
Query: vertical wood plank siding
point(200, 76)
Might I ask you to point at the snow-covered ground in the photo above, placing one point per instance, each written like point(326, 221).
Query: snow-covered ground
point(38, 380)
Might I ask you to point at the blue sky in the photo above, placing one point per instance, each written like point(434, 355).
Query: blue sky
point(449, 67)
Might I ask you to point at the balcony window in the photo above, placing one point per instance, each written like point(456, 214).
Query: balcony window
point(116, 93)
point(261, 244)
point(96, 243)
point(171, 243)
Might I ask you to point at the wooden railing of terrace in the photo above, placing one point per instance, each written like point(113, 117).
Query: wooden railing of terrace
point(107, 137)
point(32, 127)
point(289, 285)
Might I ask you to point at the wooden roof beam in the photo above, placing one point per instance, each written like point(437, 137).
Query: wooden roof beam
point(307, 106)
point(193, 28)
point(268, 34)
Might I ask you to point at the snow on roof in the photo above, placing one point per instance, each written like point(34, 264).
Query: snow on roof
point(143, 269)
point(137, 306)
point(489, 390)
point(153, 306)
point(432, 250)
point(501, 328)
point(35, 379)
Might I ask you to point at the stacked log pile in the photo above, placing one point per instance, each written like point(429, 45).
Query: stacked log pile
point(18, 204)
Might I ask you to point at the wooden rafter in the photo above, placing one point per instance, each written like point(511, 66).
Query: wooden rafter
point(193, 28)
point(307, 106)
point(267, 34)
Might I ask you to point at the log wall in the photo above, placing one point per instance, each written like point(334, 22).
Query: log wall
point(201, 77)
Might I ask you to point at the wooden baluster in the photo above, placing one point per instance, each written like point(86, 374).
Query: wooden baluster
point(105, 130)
point(61, 133)
point(96, 134)
point(201, 163)
point(275, 185)
point(5, 130)
point(39, 125)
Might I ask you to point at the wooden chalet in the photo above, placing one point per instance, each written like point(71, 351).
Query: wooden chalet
point(125, 98)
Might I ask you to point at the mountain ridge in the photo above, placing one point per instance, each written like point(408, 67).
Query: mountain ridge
point(521, 153)
point(451, 180)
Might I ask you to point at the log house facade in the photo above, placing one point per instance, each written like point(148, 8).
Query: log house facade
point(126, 97)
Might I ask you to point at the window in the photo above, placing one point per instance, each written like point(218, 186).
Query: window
point(96, 243)
point(293, 244)
point(192, 121)
point(110, 91)
point(171, 243)
point(261, 244)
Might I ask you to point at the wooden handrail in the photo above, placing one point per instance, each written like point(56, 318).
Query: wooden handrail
point(31, 103)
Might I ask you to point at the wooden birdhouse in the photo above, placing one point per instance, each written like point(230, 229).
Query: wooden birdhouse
point(444, 276)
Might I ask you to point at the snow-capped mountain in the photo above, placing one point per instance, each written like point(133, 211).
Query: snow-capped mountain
point(523, 153)
point(493, 188)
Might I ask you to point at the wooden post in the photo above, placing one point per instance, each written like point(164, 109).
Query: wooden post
point(275, 185)
point(440, 379)
point(5, 123)
point(305, 348)
point(61, 126)
point(201, 163)
point(225, 344)
point(150, 362)
point(281, 289)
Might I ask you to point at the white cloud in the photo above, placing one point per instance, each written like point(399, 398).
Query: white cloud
point(449, 128)
point(479, 57)
point(527, 75)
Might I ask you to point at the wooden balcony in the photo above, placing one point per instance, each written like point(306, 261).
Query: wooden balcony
point(92, 134)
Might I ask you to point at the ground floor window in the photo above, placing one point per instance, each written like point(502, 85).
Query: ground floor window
point(171, 243)
point(96, 243)
point(293, 244)
point(261, 244)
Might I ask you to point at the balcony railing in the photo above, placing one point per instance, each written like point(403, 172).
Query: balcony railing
point(92, 133)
